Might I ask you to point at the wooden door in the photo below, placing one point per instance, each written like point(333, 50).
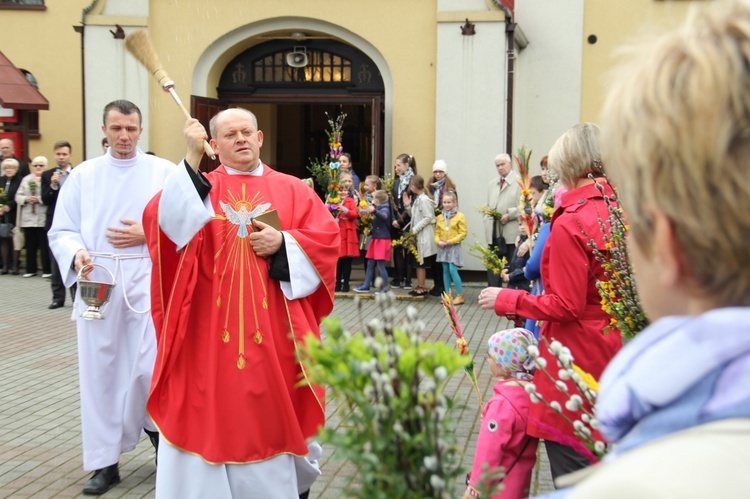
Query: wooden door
point(203, 109)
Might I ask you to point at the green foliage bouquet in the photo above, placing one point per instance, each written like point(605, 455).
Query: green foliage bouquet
point(489, 258)
point(408, 241)
point(396, 430)
point(32, 189)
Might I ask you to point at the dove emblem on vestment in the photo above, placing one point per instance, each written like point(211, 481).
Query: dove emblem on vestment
point(242, 217)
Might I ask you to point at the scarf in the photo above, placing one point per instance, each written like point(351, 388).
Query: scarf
point(403, 181)
point(448, 215)
point(678, 373)
point(437, 190)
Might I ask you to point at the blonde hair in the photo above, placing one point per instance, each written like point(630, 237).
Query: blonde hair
point(576, 154)
point(380, 196)
point(40, 159)
point(677, 137)
point(375, 180)
point(12, 162)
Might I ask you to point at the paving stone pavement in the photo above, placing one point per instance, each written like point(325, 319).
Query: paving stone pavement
point(40, 440)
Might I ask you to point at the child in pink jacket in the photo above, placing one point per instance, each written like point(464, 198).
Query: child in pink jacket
point(502, 440)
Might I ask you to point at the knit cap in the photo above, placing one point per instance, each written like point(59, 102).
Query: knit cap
point(439, 165)
point(509, 348)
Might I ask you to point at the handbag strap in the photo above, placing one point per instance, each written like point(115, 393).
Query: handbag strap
point(519, 456)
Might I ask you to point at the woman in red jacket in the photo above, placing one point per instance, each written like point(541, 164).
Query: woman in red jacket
point(570, 308)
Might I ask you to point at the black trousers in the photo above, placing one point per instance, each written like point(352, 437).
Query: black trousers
point(344, 270)
point(56, 283)
point(437, 274)
point(36, 242)
point(402, 263)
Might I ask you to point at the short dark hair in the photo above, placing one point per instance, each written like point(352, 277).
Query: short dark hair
point(62, 143)
point(537, 182)
point(125, 107)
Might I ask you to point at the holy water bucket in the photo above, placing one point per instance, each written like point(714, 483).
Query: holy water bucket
point(94, 293)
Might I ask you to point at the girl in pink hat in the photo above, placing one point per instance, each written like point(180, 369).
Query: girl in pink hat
point(502, 440)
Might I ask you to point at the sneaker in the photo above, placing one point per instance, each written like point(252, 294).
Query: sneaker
point(362, 289)
point(29, 275)
point(396, 283)
point(46, 276)
point(406, 284)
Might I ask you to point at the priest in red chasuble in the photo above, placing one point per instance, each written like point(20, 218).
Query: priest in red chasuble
point(244, 268)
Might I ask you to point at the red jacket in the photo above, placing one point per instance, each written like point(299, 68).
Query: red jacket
point(570, 307)
point(348, 228)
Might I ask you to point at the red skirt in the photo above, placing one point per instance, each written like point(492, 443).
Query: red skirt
point(379, 249)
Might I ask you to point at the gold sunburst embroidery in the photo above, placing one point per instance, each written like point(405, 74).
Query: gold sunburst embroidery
point(240, 262)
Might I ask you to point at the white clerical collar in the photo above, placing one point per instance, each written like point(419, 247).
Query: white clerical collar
point(126, 162)
point(255, 173)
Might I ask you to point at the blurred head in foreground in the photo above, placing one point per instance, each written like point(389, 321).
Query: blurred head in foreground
point(676, 141)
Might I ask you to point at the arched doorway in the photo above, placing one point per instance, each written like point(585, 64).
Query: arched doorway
point(291, 101)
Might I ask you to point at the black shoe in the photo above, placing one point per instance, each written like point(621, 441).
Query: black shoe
point(436, 291)
point(396, 283)
point(338, 287)
point(102, 480)
point(56, 304)
point(345, 288)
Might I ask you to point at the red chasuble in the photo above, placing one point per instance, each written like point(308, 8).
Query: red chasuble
point(225, 383)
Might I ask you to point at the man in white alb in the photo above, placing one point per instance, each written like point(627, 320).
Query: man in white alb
point(98, 220)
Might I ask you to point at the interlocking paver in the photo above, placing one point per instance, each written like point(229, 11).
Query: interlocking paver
point(40, 441)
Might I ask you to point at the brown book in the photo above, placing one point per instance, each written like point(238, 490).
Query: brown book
point(271, 218)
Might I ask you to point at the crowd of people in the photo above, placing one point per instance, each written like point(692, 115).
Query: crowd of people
point(205, 365)
point(28, 200)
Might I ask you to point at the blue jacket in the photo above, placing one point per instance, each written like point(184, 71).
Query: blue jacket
point(381, 225)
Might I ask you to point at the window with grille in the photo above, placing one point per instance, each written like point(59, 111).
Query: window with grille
point(22, 4)
point(322, 67)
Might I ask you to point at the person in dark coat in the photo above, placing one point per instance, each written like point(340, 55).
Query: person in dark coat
point(9, 183)
point(52, 180)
